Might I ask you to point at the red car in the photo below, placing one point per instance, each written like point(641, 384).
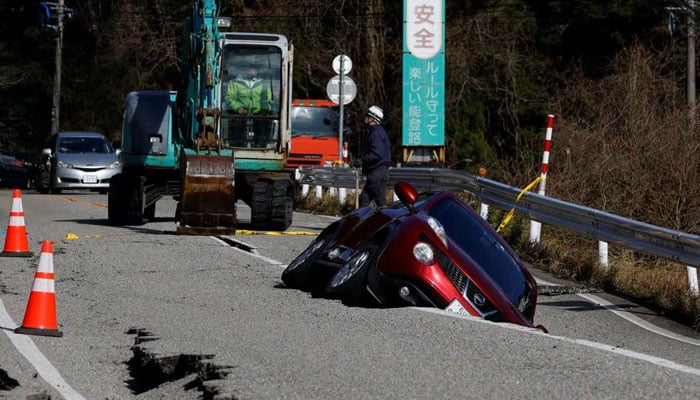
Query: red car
point(428, 250)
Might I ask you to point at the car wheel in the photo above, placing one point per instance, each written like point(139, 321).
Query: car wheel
point(41, 189)
point(52, 179)
point(39, 185)
point(348, 283)
point(298, 273)
point(150, 212)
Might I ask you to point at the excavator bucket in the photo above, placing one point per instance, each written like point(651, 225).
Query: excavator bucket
point(207, 202)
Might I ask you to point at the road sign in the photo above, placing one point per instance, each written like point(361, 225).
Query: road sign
point(349, 89)
point(347, 64)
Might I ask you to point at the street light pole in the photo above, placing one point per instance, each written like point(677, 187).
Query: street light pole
point(56, 109)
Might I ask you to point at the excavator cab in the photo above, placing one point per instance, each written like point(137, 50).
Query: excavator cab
point(252, 95)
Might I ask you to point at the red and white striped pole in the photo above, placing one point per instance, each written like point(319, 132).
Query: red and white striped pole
point(343, 192)
point(536, 227)
point(345, 154)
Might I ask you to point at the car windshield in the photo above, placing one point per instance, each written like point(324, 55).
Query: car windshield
point(315, 121)
point(77, 145)
point(480, 244)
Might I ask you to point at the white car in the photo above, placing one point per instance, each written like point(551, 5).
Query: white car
point(77, 160)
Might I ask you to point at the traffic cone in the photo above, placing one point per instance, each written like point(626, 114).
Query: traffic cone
point(40, 316)
point(16, 239)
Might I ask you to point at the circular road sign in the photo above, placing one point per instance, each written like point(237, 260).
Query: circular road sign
point(349, 89)
point(347, 64)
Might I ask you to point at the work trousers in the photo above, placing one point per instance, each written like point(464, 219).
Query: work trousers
point(375, 187)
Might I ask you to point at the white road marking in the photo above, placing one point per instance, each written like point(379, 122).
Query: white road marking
point(630, 317)
point(28, 349)
point(253, 253)
point(595, 345)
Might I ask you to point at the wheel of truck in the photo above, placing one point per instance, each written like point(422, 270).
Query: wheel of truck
point(282, 206)
point(134, 196)
point(116, 210)
point(261, 205)
point(150, 212)
point(124, 200)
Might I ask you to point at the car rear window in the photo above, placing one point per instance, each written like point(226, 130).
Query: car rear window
point(480, 244)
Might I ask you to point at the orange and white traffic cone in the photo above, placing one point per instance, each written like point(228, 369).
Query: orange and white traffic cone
point(40, 316)
point(16, 239)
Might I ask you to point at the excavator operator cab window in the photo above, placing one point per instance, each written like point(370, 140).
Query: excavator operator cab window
point(251, 95)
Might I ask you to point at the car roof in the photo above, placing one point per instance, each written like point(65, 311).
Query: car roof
point(80, 134)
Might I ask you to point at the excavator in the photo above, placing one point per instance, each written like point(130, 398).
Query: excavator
point(206, 144)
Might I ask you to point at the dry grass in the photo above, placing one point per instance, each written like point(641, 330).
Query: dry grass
point(326, 205)
point(621, 144)
point(656, 283)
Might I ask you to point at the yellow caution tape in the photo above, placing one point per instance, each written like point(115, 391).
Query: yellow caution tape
point(508, 216)
point(274, 233)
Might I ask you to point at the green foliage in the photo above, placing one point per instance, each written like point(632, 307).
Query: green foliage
point(466, 140)
point(591, 32)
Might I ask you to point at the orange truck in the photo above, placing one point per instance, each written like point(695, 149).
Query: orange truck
point(315, 140)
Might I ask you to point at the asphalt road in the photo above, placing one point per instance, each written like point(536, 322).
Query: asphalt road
point(148, 314)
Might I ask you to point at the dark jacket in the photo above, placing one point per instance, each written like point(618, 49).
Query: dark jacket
point(377, 149)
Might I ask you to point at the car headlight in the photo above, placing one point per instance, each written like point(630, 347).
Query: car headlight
point(115, 164)
point(439, 230)
point(63, 164)
point(423, 252)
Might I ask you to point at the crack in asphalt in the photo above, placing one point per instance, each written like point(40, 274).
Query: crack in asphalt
point(149, 370)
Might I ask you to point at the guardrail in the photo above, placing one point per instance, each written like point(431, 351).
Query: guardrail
point(646, 238)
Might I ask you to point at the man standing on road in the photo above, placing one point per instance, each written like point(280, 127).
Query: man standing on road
point(376, 159)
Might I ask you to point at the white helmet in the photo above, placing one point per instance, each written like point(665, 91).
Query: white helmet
point(376, 113)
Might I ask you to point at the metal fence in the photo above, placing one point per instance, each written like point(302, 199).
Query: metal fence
point(645, 238)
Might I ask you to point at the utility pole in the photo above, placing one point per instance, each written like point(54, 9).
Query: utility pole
point(689, 11)
point(691, 64)
point(56, 109)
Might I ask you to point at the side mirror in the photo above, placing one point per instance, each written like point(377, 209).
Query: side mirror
point(406, 193)
point(46, 152)
point(117, 151)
